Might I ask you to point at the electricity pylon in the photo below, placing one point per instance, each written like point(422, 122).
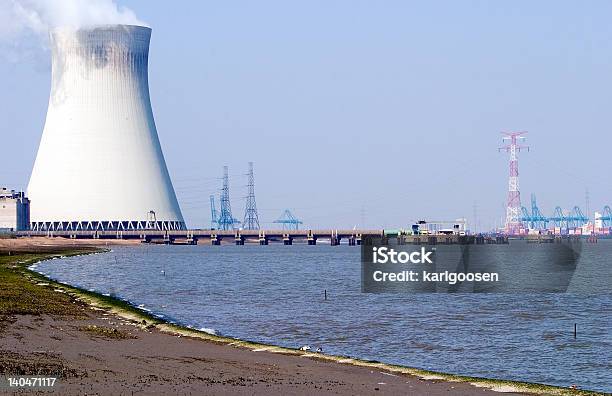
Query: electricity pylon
point(251, 220)
point(226, 221)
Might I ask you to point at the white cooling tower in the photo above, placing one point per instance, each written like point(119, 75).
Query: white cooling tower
point(100, 164)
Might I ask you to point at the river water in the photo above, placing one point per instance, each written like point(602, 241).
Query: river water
point(275, 294)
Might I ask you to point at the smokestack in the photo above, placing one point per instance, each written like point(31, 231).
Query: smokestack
point(100, 164)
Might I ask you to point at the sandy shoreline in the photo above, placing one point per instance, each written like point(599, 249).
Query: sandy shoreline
point(107, 348)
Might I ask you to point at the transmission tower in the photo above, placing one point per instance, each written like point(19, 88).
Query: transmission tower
point(251, 220)
point(475, 226)
point(213, 213)
point(226, 221)
point(587, 200)
point(513, 206)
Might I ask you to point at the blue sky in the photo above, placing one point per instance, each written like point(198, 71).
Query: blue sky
point(356, 112)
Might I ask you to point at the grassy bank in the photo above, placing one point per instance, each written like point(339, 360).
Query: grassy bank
point(25, 292)
point(21, 294)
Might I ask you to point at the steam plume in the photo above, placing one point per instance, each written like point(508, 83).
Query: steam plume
point(24, 24)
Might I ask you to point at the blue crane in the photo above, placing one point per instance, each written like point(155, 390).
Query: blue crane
point(541, 221)
point(288, 220)
point(577, 219)
point(558, 218)
point(574, 218)
point(526, 217)
point(536, 219)
point(607, 217)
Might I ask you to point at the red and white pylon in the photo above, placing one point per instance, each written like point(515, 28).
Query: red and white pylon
point(513, 207)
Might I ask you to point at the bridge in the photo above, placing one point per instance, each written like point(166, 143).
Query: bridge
point(214, 237)
point(262, 237)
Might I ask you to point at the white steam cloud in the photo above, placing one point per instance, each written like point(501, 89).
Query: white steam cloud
point(24, 24)
point(39, 16)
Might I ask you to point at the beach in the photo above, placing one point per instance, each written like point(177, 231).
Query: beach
point(98, 345)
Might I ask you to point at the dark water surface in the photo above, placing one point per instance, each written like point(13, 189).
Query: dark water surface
point(275, 294)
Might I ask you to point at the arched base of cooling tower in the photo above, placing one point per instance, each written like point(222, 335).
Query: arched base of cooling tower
point(107, 225)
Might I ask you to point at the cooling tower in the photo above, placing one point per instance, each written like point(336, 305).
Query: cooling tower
point(100, 165)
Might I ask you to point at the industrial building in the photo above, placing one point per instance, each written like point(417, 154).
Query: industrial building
point(100, 164)
point(14, 211)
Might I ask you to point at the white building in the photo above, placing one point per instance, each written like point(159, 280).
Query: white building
point(598, 220)
point(100, 164)
point(14, 210)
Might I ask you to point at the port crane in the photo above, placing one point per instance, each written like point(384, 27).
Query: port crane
point(288, 220)
point(606, 218)
point(575, 218)
point(535, 219)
